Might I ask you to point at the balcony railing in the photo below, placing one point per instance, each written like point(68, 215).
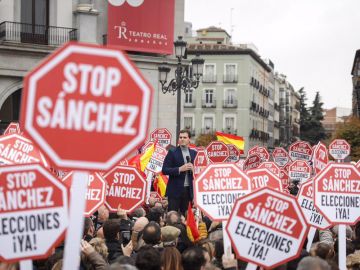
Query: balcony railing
point(232, 103)
point(208, 103)
point(36, 34)
point(230, 131)
point(209, 78)
point(230, 78)
point(207, 130)
point(190, 104)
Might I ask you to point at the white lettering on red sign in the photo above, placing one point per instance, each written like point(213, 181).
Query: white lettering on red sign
point(84, 115)
point(33, 211)
point(337, 193)
point(217, 188)
point(300, 151)
point(267, 228)
point(339, 149)
point(306, 202)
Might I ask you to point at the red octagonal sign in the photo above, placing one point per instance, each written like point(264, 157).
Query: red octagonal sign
point(95, 193)
point(217, 188)
point(86, 106)
point(337, 193)
point(126, 187)
point(217, 152)
point(33, 212)
point(267, 228)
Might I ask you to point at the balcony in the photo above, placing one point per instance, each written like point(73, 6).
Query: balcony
point(208, 103)
point(36, 34)
point(230, 78)
point(209, 78)
point(190, 104)
point(230, 130)
point(276, 124)
point(230, 103)
point(207, 130)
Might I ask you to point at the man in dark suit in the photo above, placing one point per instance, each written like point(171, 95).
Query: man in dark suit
point(178, 165)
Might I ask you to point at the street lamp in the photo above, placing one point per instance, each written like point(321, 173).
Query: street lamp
point(185, 78)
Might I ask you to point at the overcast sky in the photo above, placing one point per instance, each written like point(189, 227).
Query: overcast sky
point(312, 42)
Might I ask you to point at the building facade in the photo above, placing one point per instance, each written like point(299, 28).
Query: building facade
point(355, 72)
point(32, 29)
point(236, 92)
point(334, 116)
point(289, 111)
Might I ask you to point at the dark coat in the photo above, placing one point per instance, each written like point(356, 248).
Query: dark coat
point(173, 160)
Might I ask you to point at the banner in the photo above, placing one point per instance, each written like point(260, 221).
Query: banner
point(145, 26)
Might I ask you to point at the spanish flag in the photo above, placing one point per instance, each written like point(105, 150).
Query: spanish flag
point(140, 161)
point(145, 157)
point(160, 184)
point(191, 228)
point(231, 139)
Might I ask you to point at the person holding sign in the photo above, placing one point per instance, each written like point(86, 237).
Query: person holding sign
point(178, 164)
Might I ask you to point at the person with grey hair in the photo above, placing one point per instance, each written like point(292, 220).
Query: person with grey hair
point(313, 263)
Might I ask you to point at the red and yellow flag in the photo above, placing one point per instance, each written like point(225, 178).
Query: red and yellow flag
point(191, 228)
point(231, 139)
point(140, 161)
point(160, 184)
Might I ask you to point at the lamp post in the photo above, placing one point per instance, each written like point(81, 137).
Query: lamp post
point(185, 78)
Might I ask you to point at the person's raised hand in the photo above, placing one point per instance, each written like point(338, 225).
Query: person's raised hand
point(86, 248)
point(121, 212)
point(228, 259)
point(127, 250)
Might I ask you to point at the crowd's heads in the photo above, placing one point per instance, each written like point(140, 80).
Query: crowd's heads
point(89, 228)
point(173, 218)
point(152, 233)
point(193, 258)
point(169, 235)
point(155, 214)
point(148, 258)
point(140, 224)
point(324, 251)
point(313, 263)
point(353, 261)
point(100, 247)
point(171, 259)
point(138, 213)
point(103, 214)
point(111, 229)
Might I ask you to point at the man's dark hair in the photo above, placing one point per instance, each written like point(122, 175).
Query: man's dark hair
point(152, 233)
point(193, 258)
point(148, 258)
point(111, 228)
point(185, 131)
point(155, 214)
point(87, 225)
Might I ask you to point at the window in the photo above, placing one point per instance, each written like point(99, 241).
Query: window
point(188, 120)
point(230, 97)
point(230, 73)
point(35, 21)
point(209, 96)
point(189, 97)
point(210, 73)
point(208, 123)
point(229, 124)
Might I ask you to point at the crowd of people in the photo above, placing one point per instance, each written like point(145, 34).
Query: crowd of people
point(152, 238)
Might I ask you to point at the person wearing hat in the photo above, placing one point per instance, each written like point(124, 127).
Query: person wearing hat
point(169, 236)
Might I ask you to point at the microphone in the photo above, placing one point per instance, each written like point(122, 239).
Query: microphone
point(188, 160)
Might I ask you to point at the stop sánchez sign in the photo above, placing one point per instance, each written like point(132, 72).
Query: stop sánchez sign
point(126, 187)
point(217, 188)
point(33, 212)
point(86, 106)
point(267, 228)
point(337, 193)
